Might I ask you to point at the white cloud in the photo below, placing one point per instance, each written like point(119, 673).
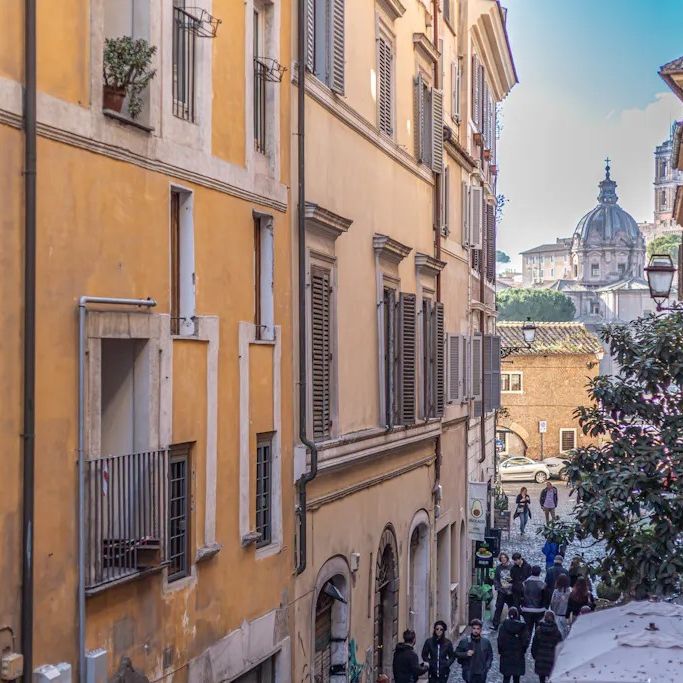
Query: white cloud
point(552, 152)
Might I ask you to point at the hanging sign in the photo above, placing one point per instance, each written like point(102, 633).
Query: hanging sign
point(476, 510)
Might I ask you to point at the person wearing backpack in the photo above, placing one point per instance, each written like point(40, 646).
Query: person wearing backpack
point(475, 654)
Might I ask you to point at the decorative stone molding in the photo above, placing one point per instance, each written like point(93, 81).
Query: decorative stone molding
point(393, 8)
point(326, 222)
point(389, 248)
point(428, 265)
point(422, 42)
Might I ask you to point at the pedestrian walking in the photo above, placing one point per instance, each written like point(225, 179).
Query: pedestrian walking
point(513, 641)
point(580, 596)
point(406, 664)
point(523, 509)
point(438, 653)
point(532, 600)
point(475, 654)
point(521, 570)
point(559, 603)
point(551, 549)
point(502, 582)
point(576, 569)
point(549, 501)
point(552, 574)
point(545, 641)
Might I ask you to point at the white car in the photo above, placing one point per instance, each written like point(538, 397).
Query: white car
point(521, 468)
point(557, 467)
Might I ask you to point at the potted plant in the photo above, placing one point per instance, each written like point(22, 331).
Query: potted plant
point(126, 72)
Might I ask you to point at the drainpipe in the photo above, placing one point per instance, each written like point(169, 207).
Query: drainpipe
point(82, 312)
point(311, 474)
point(28, 433)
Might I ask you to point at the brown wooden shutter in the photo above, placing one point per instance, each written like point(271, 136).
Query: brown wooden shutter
point(385, 90)
point(338, 50)
point(419, 117)
point(439, 360)
point(310, 35)
point(490, 244)
point(437, 130)
point(453, 368)
point(427, 359)
point(486, 360)
point(407, 357)
point(321, 351)
point(495, 373)
point(468, 368)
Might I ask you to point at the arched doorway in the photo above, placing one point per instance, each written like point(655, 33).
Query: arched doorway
point(418, 606)
point(331, 630)
point(386, 602)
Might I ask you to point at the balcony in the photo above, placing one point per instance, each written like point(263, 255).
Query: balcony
point(126, 499)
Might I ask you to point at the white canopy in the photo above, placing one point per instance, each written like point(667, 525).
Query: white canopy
point(640, 642)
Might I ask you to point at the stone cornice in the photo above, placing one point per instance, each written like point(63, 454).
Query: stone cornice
point(324, 220)
point(389, 248)
point(393, 8)
point(422, 42)
point(428, 265)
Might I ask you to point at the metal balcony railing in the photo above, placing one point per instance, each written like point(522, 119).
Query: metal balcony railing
point(126, 498)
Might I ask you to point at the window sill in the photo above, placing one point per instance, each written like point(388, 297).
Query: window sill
point(206, 552)
point(96, 590)
point(127, 121)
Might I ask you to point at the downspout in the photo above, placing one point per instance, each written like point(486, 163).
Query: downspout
point(82, 312)
point(310, 475)
point(28, 433)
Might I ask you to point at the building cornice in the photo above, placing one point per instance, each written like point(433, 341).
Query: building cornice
point(460, 154)
point(325, 221)
point(422, 43)
point(389, 248)
point(393, 8)
point(428, 265)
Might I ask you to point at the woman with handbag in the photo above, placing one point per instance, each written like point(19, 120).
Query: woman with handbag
point(523, 509)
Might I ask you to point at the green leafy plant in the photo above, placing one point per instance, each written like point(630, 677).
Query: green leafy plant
point(558, 531)
point(127, 67)
point(541, 305)
point(630, 484)
point(501, 501)
point(502, 257)
point(665, 244)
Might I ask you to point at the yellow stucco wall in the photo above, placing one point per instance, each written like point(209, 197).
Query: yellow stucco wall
point(553, 387)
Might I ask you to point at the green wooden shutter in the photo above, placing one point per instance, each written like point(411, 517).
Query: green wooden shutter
point(419, 117)
point(437, 131)
point(439, 360)
point(385, 90)
point(407, 357)
point(310, 35)
point(338, 49)
point(321, 351)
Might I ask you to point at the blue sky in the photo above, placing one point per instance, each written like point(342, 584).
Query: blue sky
point(588, 88)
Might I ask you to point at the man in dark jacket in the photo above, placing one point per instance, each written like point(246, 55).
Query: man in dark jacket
point(406, 665)
point(475, 654)
point(549, 501)
point(532, 600)
point(552, 574)
point(513, 640)
point(543, 646)
point(502, 581)
point(438, 653)
point(519, 573)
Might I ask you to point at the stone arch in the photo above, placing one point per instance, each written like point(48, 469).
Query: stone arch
point(419, 575)
point(331, 621)
point(386, 601)
point(522, 435)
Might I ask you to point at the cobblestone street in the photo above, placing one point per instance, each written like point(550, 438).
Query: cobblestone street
point(530, 545)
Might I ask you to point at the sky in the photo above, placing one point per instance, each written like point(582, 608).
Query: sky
point(588, 88)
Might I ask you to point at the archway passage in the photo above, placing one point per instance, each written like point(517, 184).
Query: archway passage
point(419, 582)
point(331, 632)
point(386, 602)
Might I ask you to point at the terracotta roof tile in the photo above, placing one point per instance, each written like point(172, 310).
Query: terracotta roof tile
point(551, 338)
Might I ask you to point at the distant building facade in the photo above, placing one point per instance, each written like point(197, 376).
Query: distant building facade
point(546, 263)
point(542, 386)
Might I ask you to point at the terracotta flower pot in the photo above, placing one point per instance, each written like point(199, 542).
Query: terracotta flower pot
point(112, 98)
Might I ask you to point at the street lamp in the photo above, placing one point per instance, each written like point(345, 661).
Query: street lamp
point(660, 276)
point(528, 334)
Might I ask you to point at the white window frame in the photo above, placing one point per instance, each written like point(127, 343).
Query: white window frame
point(568, 429)
point(187, 275)
point(503, 375)
point(266, 270)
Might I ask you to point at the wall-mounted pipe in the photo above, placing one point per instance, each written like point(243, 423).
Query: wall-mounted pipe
point(28, 433)
point(308, 476)
point(82, 312)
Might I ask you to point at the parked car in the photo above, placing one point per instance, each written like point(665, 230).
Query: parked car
point(521, 468)
point(557, 467)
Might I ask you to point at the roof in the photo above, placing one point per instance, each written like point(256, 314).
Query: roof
point(551, 338)
point(637, 283)
point(667, 73)
point(545, 248)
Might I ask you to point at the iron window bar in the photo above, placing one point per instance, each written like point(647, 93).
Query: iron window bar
point(264, 473)
point(178, 512)
point(201, 23)
point(184, 53)
point(260, 80)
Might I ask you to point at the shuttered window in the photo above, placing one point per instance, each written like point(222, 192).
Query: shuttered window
point(338, 49)
point(325, 41)
point(419, 118)
point(476, 96)
point(490, 244)
point(491, 362)
point(437, 130)
point(390, 357)
point(440, 360)
point(476, 373)
point(475, 215)
point(567, 440)
point(385, 74)
point(456, 82)
point(445, 201)
point(321, 351)
point(434, 359)
point(456, 384)
point(407, 357)
point(465, 211)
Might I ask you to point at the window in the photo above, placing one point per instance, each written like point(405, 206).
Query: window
point(502, 442)
point(567, 440)
point(178, 512)
point(576, 270)
point(428, 124)
point(595, 270)
point(447, 10)
point(263, 673)
point(511, 382)
point(456, 369)
point(260, 80)
point(321, 351)
point(662, 199)
point(264, 482)
point(325, 49)
point(182, 264)
point(456, 84)
point(595, 308)
point(390, 356)
point(433, 358)
point(263, 277)
point(622, 269)
point(385, 89)
point(445, 202)
point(492, 379)
point(476, 367)
point(183, 62)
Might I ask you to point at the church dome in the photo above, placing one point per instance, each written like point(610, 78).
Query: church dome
point(608, 222)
